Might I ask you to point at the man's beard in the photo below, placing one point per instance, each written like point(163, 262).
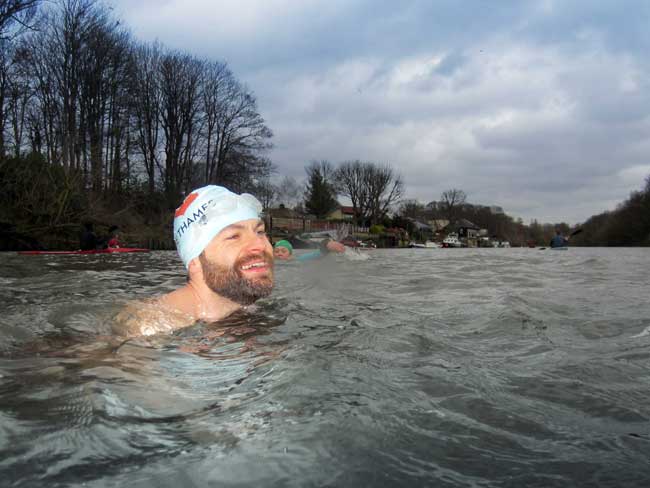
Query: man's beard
point(231, 284)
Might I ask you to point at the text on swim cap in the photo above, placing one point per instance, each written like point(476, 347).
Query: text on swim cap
point(197, 214)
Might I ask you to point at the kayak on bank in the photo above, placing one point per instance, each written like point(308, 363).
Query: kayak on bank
point(111, 250)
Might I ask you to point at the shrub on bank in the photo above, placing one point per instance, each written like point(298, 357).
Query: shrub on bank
point(43, 206)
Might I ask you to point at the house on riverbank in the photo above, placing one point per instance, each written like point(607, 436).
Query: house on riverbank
point(341, 213)
point(467, 232)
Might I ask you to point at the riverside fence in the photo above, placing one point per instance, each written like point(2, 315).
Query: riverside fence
point(300, 226)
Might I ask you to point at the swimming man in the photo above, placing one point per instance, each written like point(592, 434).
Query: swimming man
point(222, 242)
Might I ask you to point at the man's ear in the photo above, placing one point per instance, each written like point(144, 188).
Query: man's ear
point(195, 270)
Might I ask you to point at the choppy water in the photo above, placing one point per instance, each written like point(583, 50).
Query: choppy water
point(424, 367)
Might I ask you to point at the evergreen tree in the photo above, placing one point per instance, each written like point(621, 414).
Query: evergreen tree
point(319, 195)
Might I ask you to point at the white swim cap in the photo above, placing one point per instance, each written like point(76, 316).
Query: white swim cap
point(204, 213)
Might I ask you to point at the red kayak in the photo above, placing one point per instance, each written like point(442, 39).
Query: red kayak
point(94, 251)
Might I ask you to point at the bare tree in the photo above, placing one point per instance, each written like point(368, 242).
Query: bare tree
point(350, 181)
point(82, 93)
point(5, 81)
point(217, 85)
point(372, 189)
point(240, 128)
point(18, 96)
point(146, 105)
point(117, 133)
point(451, 200)
point(411, 209)
point(266, 193)
point(243, 170)
point(56, 66)
point(103, 71)
point(180, 78)
point(385, 188)
point(16, 16)
point(289, 192)
point(45, 114)
point(68, 28)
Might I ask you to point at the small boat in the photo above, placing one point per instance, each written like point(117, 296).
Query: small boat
point(451, 241)
point(112, 250)
point(368, 245)
point(427, 244)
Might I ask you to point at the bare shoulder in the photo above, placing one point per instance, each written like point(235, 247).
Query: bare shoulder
point(149, 317)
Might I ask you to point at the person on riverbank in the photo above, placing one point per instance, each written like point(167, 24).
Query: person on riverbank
point(559, 240)
point(88, 238)
point(283, 250)
point(113, 237)
point(221, 240)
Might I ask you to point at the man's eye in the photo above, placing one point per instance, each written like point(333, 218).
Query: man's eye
point(232, 237)
point(261, 232)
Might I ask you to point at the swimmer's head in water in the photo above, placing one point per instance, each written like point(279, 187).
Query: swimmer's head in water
point(283, 250)
point(206, 212)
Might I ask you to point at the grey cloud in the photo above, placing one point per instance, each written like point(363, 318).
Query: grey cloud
point(536, 105)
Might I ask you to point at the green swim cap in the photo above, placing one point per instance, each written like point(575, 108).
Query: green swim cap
point(284, 243)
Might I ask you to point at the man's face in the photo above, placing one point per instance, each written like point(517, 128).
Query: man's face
point(238, 262)
point(282, 253)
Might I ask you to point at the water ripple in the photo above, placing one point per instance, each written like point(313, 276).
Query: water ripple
point(487, 367)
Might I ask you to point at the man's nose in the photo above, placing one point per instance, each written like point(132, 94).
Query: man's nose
point(257, 242)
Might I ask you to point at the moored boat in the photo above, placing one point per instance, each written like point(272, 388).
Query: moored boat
point(426, 244)
point(451, 241)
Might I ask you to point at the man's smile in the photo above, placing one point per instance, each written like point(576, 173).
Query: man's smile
point(256, 266)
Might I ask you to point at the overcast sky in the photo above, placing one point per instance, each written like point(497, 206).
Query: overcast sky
point(538, 106)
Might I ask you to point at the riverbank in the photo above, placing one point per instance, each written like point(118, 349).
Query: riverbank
point(66, 237)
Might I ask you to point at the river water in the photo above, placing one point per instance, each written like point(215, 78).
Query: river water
point(422, 367)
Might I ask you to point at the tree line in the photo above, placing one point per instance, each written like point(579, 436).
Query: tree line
point(627, 225)
point(106, 116)
point(452, 206)
point(372, 189)
point(116, 114)
point(376, 193)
